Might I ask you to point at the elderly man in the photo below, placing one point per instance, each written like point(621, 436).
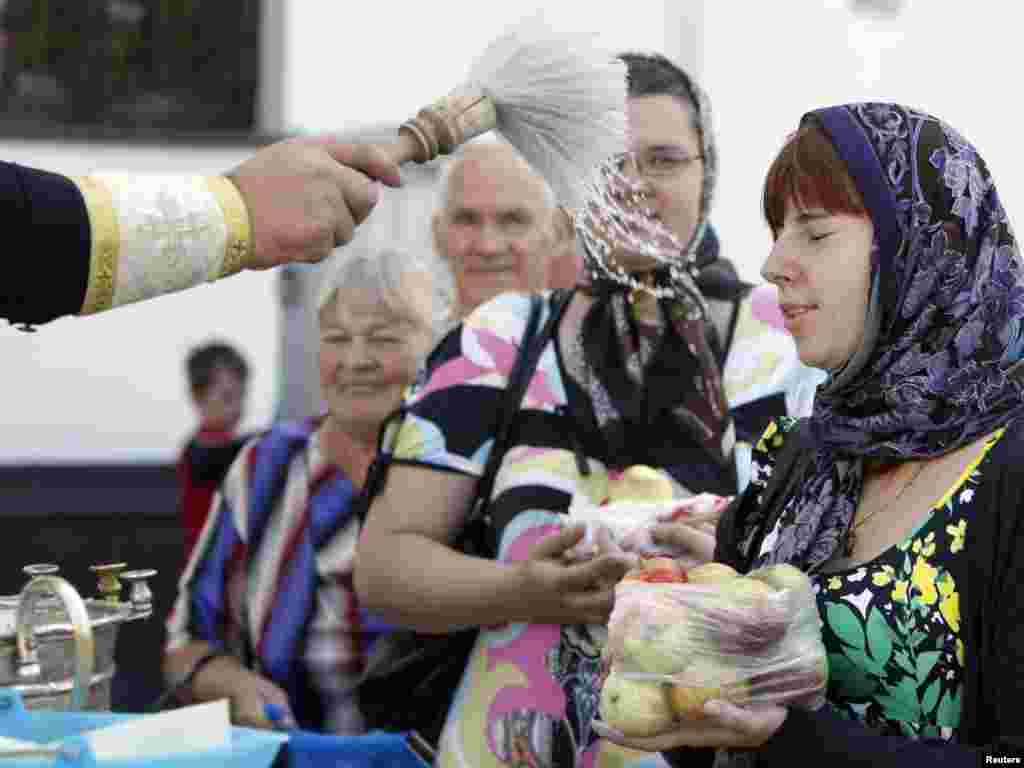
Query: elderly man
point(496, 226)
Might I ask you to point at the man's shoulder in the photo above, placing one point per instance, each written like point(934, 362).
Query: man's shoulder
point(505, 316)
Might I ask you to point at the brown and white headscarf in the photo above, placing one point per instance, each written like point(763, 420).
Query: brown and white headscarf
point(661, 381)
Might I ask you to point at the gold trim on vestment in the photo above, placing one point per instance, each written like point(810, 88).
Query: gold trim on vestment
point(104, 245)
point(236, 217)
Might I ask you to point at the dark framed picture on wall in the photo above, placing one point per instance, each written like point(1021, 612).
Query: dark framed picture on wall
point(141, 69)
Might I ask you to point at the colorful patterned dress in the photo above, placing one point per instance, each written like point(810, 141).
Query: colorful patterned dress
point(531, 691)
point(891, 626)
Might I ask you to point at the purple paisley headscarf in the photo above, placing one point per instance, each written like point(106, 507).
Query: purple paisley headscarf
point(943, 368)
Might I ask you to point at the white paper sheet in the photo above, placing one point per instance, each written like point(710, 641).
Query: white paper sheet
point(8, 746)
point(189, 729)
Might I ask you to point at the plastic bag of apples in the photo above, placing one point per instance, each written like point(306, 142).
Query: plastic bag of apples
point(677, 639)
point(625, 526)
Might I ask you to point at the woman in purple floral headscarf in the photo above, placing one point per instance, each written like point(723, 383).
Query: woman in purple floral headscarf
point(899, 274)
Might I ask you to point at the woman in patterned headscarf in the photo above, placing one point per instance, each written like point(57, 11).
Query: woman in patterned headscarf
point(899, 273)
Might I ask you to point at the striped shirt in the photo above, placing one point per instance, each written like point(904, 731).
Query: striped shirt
point(336, 643)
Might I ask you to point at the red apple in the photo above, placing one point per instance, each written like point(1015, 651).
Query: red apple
point(662, 576)
point(657, 562)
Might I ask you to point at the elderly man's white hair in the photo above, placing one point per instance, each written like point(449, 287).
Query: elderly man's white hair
point(380, 269)
point(444, 183)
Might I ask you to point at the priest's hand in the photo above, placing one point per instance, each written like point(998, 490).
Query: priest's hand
point(306, 196)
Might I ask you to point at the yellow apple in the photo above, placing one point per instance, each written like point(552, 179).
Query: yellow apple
point(744, 587)
point(665, 651)
point(711, 573)
point(783, 576)
point(641, 483)
point(688, 701)
point(641, 618)
point(703, 681)
point(635, 707)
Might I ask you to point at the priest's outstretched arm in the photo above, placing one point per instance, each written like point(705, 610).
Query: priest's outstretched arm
point(82, 245)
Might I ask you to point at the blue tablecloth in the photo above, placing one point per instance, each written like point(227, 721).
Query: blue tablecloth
point(372, 750)
point(249, 748)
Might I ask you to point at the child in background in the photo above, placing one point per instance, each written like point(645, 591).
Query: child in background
point(218, 376)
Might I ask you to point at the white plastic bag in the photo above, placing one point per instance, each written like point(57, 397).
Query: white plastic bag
point(747, 640)
point(625, 527)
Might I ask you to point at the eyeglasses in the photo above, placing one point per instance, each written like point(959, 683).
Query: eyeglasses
point(656, 163)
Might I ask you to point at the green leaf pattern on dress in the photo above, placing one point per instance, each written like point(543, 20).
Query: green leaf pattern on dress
point(892, 629)
point(891, 626)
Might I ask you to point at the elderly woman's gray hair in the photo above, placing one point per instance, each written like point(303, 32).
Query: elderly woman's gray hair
point(380, 270)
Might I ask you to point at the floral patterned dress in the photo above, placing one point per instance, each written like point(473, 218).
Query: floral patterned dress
point(891, 626)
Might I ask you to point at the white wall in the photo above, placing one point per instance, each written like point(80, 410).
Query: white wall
point(765, 64)
point(385, 60)
point(111, 387)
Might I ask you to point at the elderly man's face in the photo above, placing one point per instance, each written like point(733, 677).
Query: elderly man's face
point(496, 230)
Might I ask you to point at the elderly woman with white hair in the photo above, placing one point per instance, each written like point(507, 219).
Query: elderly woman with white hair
point(266, 613)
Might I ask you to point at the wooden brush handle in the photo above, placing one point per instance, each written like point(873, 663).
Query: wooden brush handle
point(441, 127)
point(407, 148)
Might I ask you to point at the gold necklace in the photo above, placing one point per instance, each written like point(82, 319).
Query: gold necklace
point(851, 535)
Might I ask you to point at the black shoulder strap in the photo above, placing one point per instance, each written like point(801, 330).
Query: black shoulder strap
point(789, 466)
point(376, 474)
point(530, 350)
point(734, 319)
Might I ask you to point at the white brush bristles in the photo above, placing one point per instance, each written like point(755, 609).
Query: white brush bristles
point(560, 101)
